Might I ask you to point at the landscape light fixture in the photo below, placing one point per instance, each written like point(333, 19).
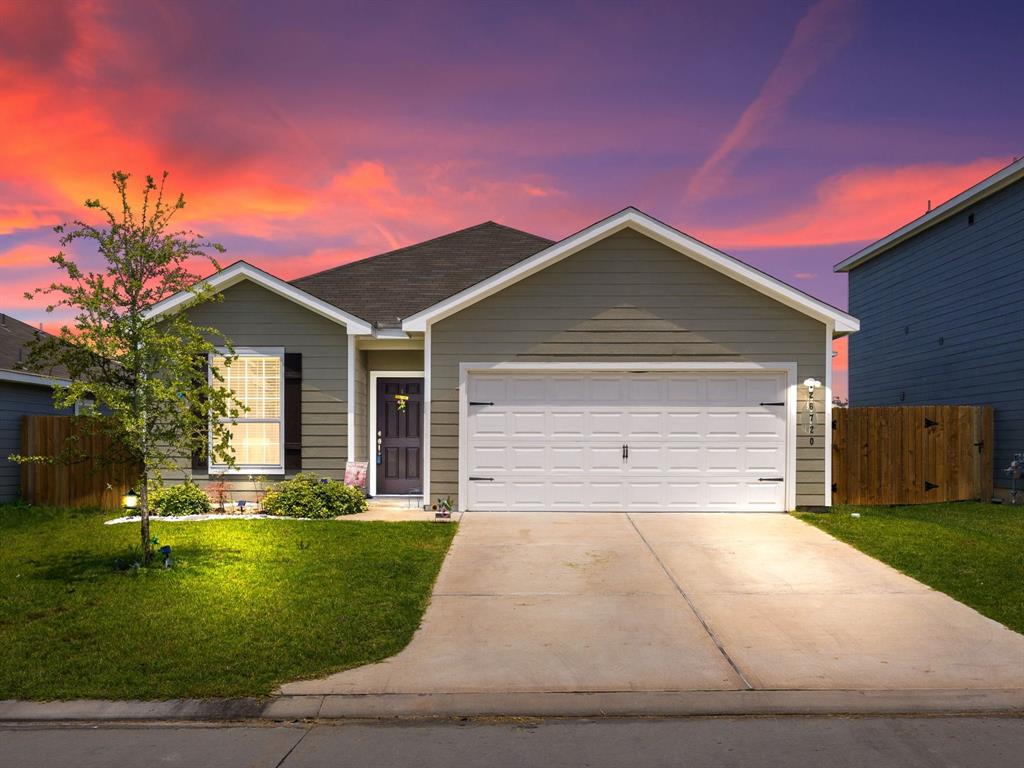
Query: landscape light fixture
point(130, 500)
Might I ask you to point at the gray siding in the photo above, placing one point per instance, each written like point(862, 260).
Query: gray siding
point(17, 400)
point(394, 359)
point(942, 319)
point(362, 385)
point(252, 316)
point(623, 299)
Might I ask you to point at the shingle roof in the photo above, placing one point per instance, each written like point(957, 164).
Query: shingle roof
point(385, 288)
point(14, 335)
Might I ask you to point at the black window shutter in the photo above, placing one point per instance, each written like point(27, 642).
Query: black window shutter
point(292, 412)
point(199, 456)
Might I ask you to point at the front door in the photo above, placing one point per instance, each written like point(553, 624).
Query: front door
point(399, 436)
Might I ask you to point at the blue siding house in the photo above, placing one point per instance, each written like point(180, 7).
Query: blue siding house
point(21, 394)
point(941, 305)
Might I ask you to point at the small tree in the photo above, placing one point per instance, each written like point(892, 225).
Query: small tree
point(151, 393)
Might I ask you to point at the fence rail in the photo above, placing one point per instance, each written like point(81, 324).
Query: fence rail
point(91, 481)
point(915, 454)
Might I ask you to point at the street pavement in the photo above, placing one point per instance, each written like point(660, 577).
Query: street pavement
point(792, 742)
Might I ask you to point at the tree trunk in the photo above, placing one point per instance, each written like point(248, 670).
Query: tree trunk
point(147, 545)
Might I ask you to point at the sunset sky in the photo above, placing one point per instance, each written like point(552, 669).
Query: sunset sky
point(305, 134)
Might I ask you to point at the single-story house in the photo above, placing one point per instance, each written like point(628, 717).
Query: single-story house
point(628, 366)
point(942, 308)
point(21, 393)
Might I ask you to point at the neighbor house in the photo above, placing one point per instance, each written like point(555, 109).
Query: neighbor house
point(626, 367)
point(21, 393)
point(941, 301)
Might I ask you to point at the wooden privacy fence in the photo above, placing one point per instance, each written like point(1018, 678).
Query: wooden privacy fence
point(86, 482)
point(913, 454)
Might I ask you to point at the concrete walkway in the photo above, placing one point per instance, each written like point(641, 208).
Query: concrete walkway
point(680, 602)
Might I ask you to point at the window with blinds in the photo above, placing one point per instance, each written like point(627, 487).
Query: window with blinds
point(257, 380)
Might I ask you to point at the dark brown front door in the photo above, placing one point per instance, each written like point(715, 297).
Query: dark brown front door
point(399, 435)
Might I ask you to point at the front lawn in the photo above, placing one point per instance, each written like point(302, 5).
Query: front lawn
point(248, 605)
point(973, 552)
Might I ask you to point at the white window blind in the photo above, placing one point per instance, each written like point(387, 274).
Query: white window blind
point(256, 435)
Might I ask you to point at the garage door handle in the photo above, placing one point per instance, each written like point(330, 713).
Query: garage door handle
point(770, 479)
point(479, 402)
point(771, 403)
point(487, 479)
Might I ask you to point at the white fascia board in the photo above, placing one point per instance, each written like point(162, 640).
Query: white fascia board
point(39, 379)
point(631, 218)
point(240, 271)
point(997, 181)
point(390, 333)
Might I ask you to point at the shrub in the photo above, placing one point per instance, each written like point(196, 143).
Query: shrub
point(176, 500)
point(307, 495)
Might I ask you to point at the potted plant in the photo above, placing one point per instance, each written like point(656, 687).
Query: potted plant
point(443, 509)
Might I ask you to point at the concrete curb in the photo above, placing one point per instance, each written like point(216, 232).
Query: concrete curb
point(540, 704)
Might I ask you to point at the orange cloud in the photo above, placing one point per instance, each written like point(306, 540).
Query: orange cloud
point(859, 205)
point(841, 362)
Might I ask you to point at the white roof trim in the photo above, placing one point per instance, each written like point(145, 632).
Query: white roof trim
point(637, 220)
point(390, 333)
point(39, 379)
point(991, 185)
point(240, 271)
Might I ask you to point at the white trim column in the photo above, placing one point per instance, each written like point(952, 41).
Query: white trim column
point(828, 414)
point(350, 397)
point(427, 426)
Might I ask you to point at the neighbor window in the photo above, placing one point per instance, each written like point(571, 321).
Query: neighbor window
point(257, 379)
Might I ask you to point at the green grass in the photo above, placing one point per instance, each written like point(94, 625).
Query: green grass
point(973, 552)
point(249, 604)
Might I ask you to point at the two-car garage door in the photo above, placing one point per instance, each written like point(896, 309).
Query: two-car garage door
point(618, 440)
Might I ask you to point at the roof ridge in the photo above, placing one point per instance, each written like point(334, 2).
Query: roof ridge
point(394, 251)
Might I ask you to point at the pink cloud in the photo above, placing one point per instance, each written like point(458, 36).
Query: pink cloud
point(859, 205)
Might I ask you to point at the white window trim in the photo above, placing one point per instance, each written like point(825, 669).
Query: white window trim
point(247, 469)
point(790, 369)
point(372, 426)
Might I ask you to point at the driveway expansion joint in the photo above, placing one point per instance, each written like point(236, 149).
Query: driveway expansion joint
point(700, 617)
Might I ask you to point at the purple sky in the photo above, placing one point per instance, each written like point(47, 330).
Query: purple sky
point(307, 134)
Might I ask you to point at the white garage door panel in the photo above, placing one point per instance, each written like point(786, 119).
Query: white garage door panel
point(695, 441)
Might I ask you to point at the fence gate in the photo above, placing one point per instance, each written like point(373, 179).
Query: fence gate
point(914, 454)
point(89, 482)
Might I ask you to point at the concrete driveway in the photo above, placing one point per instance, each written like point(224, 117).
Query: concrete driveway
point(680, 602)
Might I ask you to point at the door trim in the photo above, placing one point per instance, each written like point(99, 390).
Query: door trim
point(789, 368)
point(371, 440)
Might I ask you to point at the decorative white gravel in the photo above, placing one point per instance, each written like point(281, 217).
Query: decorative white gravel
point(203, 518)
